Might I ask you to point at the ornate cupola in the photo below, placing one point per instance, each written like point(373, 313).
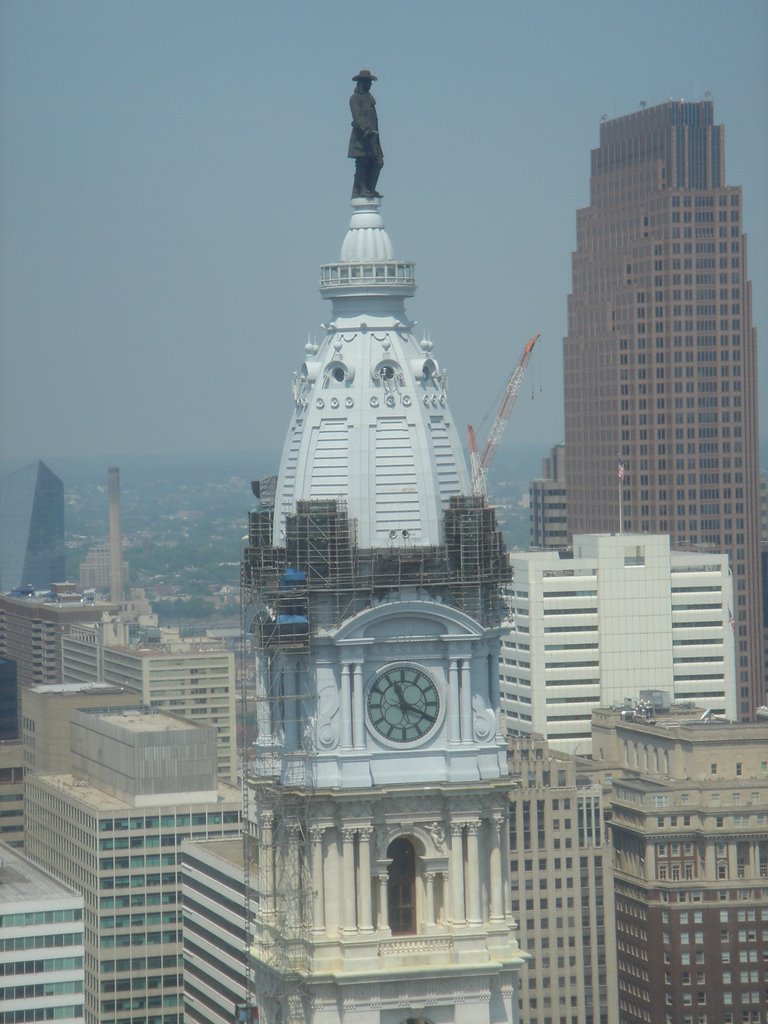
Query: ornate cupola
point(371, 425)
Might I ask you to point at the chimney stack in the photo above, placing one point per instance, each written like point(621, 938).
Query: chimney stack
point(115, 538)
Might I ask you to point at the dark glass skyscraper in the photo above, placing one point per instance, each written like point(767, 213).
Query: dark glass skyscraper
point(31, 529)
point(660, 357)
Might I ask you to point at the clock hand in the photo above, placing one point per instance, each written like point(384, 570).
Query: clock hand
point(419, 711)
point(402, 703)
point(398, 688)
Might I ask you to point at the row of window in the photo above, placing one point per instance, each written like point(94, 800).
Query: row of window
point(147, 938)
point(169, 821)
point(138, 1003)
point(138, 899)
point(140, 842)
point(138, 920)
point(60, 963)
point(139, 983)
point(48, 988)
point(38, 917)
point(41, 941)
point(138, 881)
point(150, 860)
point(139, 963)
point(42, 1013)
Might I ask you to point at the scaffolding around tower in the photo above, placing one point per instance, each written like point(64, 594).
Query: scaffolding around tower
point(320, 577)
point(277, 776)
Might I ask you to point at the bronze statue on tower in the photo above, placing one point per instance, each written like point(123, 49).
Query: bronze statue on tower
point(364, 143)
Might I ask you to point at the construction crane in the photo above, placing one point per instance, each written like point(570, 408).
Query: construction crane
point(480, 463)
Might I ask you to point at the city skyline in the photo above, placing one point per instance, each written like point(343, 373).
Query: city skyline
point(134, 253)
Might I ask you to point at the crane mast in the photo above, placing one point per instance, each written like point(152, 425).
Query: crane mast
point(480, 463)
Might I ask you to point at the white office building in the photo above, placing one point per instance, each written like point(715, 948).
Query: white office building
point(623, 616)
point(41, 944)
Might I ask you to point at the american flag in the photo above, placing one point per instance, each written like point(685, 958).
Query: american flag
point(620, 470)
point(732, 620)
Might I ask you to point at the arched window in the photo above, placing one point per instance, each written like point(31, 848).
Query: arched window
point(401, 887)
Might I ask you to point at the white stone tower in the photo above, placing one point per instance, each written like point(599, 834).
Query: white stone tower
point(377, 790)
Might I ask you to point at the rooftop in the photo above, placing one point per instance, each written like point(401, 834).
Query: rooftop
point(75, 688)
point(144, 719)
point(229, 850)
point(683, 718)
point(175, 649)
point(99, 801)
point(21, 880)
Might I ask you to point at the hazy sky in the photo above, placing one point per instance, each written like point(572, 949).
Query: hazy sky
point(173, 172)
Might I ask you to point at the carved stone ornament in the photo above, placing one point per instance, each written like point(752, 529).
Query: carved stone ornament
point(437, 835)
point(412, 806)
point(483, 720)
point(357, 809)
point(327, 728)
point(382, 842)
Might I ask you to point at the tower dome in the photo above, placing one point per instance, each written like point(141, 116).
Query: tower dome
point(371, 425)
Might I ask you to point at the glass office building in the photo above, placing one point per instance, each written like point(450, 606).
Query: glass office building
point(31, 529)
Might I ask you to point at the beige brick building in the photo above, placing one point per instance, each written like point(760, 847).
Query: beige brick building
point(194, 678)
point(31, 632)
point(12, 793)
point(562, 888)
point(548, 503)
point(689, 828)
point(46, 713)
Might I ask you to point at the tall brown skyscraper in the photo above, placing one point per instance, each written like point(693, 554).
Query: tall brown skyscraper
point(660, 357)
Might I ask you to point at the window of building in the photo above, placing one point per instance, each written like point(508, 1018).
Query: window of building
point(401, 887)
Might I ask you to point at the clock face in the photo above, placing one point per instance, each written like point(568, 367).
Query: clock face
point(403, 704)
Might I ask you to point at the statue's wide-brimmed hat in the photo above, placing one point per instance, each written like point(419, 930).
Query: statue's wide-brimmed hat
point(365, 73)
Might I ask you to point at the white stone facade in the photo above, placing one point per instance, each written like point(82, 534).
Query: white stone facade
point(41, 943)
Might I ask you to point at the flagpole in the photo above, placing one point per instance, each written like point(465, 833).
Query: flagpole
point(620, 476)
point(621, 506)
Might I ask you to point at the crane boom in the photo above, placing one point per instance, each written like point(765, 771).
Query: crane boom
point(481, 463)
